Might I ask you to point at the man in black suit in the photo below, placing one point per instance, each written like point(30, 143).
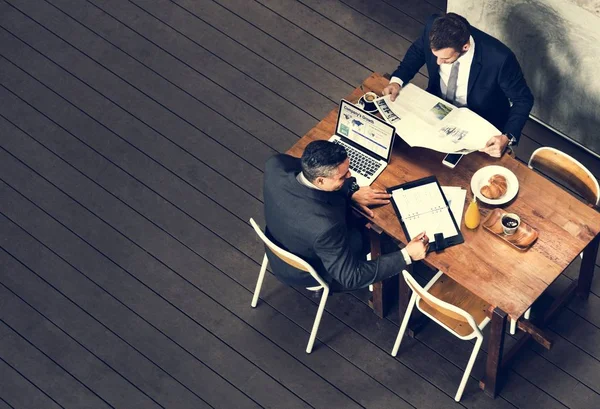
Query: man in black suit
point(308, 213)
point(468, 67)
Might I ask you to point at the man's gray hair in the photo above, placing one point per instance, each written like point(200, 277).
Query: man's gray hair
point(321, 159)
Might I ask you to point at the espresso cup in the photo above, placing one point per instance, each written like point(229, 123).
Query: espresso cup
point(367, 102)
point(510, 223)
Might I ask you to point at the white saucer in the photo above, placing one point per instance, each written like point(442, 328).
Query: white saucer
point(481, 178)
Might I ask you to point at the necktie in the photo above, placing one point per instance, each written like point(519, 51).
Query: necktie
point(451, 89)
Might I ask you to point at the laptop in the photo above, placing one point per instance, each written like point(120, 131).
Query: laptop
point(367, 139)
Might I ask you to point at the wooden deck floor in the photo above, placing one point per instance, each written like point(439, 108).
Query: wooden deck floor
point(132, 141)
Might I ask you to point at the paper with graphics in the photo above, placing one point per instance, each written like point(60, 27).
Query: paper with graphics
point(424, 120)
point(456, 199)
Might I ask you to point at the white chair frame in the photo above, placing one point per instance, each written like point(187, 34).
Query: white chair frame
point(299, 263)
point(414, 300)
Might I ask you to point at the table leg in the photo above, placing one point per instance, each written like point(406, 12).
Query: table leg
point(492, 379)
point(586, 271)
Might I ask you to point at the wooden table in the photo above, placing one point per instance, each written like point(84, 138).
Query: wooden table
point(510, 280)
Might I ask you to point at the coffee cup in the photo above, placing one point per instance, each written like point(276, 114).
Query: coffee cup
point(367, 102)
point(510, 223)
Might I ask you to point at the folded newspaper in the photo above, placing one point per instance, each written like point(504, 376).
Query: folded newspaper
point(424, 120)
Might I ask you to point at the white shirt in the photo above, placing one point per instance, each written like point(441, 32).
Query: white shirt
point(466, 60)
point(305, 182)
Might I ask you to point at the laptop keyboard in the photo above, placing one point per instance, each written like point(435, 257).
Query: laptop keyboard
point(360, 162)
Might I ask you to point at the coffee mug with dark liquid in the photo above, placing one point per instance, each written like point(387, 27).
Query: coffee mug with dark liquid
point(367, 102)
point(510, 223)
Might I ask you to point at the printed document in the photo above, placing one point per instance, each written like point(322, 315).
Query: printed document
point(423, 209)
point(455, 195)
point(424, 120)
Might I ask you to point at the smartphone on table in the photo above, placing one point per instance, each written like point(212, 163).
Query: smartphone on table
point(452, 159)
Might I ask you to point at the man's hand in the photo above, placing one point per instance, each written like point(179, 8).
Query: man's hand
point(417, 247)
point(495, 146)
point(367, 196)
point(393, 89)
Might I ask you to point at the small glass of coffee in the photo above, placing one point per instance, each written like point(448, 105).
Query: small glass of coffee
point(510, 223)
point(367, 102)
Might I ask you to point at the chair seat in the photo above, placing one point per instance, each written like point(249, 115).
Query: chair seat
point(448, 290)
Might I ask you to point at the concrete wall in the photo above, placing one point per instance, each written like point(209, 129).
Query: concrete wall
point(557, 43)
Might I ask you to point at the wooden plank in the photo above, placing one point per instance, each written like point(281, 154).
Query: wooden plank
point(128, 158)
point(208, 49)
point(332, 34)
point(578, 331)
point(4, 404)
point(200, 76)
point(359, 26)
point(92, 360)
point(205, 351)
point(586, 270)
point(157, 329)
point(220, 130)
point(18, 391)
point(168, 75)
point(253, 51)
point(286, 32)
point(24, 356)
point(391, 14)
point(369, 29)
point(567, 389)
point(439, 4)
point(168, 156)
point(338, 371)
point(91, 317)
point(588, 309)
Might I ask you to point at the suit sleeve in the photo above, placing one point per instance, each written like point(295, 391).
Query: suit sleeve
point(333, 248)
point(513, 84)
point(414, 58)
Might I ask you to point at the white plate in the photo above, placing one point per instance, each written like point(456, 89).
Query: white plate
point(483, 175)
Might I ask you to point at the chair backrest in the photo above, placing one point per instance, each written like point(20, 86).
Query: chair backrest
point(566, 170)
point(441, 307)
point(286, 256)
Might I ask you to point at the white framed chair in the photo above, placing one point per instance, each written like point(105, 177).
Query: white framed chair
point(568, 172)
point(298, 263)
point(454, 308)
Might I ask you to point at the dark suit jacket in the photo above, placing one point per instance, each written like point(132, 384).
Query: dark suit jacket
point(495, 78)
point(314, 225)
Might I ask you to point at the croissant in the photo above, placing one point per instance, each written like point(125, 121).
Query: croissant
point(496, 188)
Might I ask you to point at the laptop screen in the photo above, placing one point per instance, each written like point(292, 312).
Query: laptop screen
point(365, 129)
